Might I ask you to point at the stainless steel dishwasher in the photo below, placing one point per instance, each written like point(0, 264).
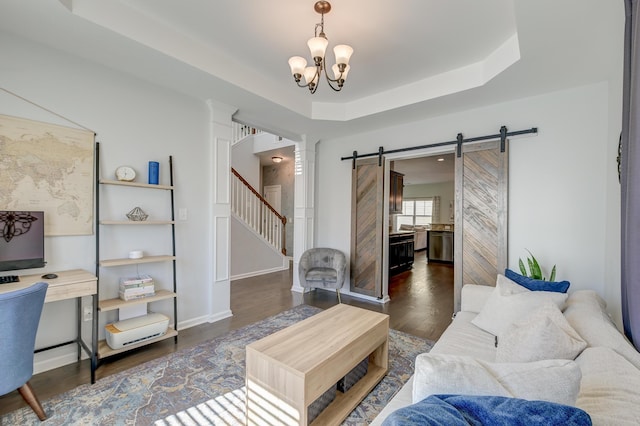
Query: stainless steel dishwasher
point(441, 246)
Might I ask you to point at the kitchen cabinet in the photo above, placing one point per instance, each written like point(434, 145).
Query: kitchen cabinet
point(400, 252)
point(396, 185)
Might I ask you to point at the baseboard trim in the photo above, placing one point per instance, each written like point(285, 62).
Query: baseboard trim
point(59, 360)
point(257, 273)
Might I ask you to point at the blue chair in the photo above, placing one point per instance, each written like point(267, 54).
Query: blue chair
point(20, 312)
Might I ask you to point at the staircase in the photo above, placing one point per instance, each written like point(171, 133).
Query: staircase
point(251, 208)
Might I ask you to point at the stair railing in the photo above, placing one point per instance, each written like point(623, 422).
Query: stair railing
point(240, 131)
point(257, 213)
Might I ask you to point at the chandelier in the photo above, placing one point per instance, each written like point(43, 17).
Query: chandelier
point(318, 46)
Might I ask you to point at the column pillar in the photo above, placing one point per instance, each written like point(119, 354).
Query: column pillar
point(304, 211)
point(220, 217)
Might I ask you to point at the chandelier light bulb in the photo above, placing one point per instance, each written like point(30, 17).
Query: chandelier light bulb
point(297, 64)
point(310, 75)
point(340, 75)
point(343, 53)
point(317, 47)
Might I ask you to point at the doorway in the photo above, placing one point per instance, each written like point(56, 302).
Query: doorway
point(273, 195)
point(428, 200)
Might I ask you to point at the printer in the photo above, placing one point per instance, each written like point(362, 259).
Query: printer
point(135, 330)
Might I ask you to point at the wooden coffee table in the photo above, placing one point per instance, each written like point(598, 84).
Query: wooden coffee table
point(290, 369)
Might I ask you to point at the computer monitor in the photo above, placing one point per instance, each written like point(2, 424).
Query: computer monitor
point(21, 240)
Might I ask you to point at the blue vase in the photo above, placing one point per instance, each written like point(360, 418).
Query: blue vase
point(154, 169)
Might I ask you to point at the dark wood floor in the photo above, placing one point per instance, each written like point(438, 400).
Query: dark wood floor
point(421, 304)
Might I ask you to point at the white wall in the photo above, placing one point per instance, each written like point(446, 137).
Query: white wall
point(245, 162)
point(251, 255)
point(135, 122)
point(559, 200)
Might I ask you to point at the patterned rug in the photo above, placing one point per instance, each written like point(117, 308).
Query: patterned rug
point(203, 384)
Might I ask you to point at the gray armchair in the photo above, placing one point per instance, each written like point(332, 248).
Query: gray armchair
point(322, 268)
point(20, 312)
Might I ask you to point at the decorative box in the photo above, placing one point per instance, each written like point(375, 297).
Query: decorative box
point(352, 377)
point(320, 404)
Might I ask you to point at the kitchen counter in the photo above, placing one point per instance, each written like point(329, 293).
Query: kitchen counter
point(400, 233)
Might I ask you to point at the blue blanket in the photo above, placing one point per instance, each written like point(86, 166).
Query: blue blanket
point(464, 410)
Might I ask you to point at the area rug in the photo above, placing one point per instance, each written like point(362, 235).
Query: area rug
point(203, 384)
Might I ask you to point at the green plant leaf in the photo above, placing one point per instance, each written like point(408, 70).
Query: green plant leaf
point(536, 272)
point(553, 274)
point(523, 270)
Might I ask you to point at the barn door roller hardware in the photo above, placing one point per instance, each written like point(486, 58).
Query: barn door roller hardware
point(460, 140)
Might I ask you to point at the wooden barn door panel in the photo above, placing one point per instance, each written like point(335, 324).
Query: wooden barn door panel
point(481, 215)
point(367, 197)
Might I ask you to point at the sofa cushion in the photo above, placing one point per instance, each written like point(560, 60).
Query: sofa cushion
point(464, 338)
point(586, 313)
point(537, 285)
point(549, 380)
point(610, 389)
point(509, 302)
point(543, 334)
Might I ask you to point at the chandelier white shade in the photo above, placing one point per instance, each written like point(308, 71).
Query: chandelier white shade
point(318, 47)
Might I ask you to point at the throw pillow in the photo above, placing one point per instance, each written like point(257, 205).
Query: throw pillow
point(537, 285)
point(509, 302)
point(543, 334)
point(553, 380)
point(586, 313)
point(465, 410)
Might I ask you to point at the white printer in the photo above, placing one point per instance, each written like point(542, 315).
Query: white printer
point(134, 330)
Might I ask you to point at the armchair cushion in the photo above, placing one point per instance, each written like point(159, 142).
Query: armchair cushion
point(322, 274)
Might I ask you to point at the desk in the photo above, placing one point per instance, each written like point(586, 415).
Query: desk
point(72, 284)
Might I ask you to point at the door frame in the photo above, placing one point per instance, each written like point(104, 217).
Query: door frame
point(426, 152)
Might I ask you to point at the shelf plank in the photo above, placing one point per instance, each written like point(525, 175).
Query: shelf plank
point(105, 351)
point(112, 304)
point(134, 184)
point(133, 222)
point(126, 261)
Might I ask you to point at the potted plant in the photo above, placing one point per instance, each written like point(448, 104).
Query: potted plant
point(535, 271)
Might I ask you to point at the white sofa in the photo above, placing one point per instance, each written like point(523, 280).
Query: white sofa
point(607, 385)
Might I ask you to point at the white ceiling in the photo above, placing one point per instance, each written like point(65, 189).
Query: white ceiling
point(412, 59)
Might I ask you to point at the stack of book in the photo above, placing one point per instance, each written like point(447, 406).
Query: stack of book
point(132, 288)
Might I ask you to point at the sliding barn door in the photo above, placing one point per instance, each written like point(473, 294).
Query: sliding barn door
point(481, 215)
point(367, 197)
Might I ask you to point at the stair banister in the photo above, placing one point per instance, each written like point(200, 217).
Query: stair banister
point(257, 213)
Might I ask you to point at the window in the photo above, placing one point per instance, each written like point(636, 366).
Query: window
point(415, 212)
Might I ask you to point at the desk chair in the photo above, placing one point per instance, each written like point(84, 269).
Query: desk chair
point(20, 312)
point(322, 268)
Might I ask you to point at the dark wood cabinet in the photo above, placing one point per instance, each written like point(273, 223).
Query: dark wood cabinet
point(400, 252)
point(396, 185)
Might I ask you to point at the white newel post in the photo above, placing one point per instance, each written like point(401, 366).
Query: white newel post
point(220, 219)
point(304, 213)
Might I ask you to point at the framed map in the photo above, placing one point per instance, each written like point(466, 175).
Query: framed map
point(48, 167)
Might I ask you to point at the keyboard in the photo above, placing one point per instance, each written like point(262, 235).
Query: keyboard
point(9, 279)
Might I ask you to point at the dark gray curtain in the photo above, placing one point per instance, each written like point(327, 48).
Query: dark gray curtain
point(630, 176)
